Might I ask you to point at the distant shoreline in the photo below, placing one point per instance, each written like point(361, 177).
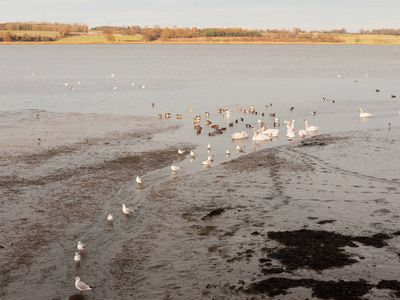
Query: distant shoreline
point(191, 43)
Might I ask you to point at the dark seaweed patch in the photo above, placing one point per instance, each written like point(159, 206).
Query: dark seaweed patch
point(341, 290)
point(213, 213)
point(317, 250)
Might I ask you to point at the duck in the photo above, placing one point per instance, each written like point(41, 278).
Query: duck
point(179, 116)
point(126, 210)
point(364, 114)
point(81, 286)
point(261, 137)
point(239, 135)
point(310, 128)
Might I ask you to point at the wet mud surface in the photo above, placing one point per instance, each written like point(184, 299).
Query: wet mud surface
point(317, 219)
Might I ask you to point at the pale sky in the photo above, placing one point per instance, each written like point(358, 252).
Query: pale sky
point(247, 14)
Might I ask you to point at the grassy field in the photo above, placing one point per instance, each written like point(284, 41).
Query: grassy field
point(370, 39)
point(95, 37)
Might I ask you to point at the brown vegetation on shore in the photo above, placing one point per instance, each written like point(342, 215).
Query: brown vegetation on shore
point(24, 32)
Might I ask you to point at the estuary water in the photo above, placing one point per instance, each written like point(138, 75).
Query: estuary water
point(109, 79)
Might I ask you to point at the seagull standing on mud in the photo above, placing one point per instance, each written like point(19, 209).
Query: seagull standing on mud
point(81, 286)
point(175, 168)
point(81, 246)
point(110, 218)
point(126, 210)
point(77, 257)
point(138, 180)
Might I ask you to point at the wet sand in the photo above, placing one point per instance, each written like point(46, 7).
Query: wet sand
point(216, 234)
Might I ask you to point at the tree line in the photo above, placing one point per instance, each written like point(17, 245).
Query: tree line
point(44, 26)
point(62, 29)
point(156, 33)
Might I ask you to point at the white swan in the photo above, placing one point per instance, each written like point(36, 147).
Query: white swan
point(261, 137)
point(126, 210)
point(290, 129)
point(80, 285)
point(239, 135)
point(302, 133)
point(290, 134)
point(310, 128)
point(271, 131)
point(364, 114)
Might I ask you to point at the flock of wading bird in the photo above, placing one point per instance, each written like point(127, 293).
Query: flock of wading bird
point(261, 134)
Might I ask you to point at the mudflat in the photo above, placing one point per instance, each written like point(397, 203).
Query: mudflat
point(317, 218)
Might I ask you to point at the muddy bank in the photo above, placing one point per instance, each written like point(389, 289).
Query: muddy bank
point(55, 190)
point(226, 232)
point(223, 234)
